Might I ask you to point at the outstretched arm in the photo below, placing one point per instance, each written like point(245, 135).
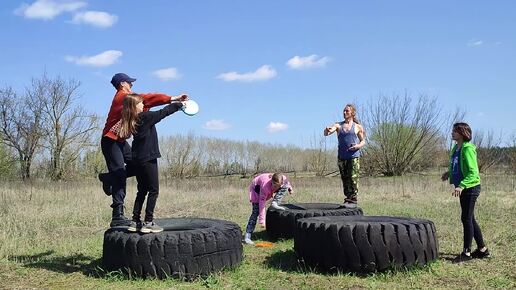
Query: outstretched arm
point(150, 118)
point(157, 99)
point(331, 129)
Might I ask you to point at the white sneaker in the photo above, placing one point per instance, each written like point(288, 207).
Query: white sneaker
point(275, 205)
point(247, 239)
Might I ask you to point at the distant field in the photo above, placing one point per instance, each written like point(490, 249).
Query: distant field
point(51, 234)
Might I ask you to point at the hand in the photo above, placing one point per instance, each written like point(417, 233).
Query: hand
point(181, 98)
point(290, 191)
point(328, 130)
point(457, 192)
point(445, 176)
point(353, 147)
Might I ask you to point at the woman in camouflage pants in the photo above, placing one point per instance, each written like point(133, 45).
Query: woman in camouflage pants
point(351, 137)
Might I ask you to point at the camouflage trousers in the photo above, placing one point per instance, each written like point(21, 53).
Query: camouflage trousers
point(349, 170)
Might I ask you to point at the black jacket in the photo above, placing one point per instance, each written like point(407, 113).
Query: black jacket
point(145, 140)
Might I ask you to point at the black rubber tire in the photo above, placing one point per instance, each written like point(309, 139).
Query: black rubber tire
point(187, 248)
point(365, 243)
point(282, 223)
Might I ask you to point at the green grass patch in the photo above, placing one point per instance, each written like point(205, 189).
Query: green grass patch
point(52, 234)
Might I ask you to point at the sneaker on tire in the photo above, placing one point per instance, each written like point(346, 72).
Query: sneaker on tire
point(150, 227)
point(120, 222)
point(350, 202)
point(134, 226)
point(276, 206)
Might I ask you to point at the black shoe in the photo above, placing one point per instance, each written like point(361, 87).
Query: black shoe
point(462, 258)
point(106, 185)
point(120, 222)
point(477, 254)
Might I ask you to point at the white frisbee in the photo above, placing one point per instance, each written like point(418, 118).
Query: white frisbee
point(190, 108)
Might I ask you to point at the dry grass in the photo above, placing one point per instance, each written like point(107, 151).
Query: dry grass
point(52, 233)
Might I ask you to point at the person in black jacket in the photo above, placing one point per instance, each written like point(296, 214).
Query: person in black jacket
point(145, 154)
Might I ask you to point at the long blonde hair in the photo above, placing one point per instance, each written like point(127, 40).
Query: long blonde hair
point(353, 112)
point(129, 115)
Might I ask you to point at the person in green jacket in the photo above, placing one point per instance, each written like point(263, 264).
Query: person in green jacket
point(463, 174)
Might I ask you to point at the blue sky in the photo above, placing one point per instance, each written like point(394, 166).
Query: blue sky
point(272, 71)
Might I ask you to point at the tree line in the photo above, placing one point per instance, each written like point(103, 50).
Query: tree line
point(45, 133)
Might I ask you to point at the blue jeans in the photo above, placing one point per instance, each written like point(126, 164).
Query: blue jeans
point(251, 224)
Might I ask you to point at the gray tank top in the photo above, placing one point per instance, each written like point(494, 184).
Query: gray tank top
point(346, 140)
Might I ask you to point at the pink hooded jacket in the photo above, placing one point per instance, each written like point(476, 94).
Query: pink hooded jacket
point(264, 180)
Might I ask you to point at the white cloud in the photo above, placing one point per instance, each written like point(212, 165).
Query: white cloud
point(263, 73)
point(274, 127)
point(307, 62)
point(95, 18)
point(216, 125)
point(105, 58)
point(47, 9)
point(475, 42)
point(167, 74)
point(498, 43)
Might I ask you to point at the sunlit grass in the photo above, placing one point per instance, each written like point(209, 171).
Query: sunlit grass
point(52, 234)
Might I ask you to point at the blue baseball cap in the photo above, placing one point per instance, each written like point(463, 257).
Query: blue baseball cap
point(121, 77)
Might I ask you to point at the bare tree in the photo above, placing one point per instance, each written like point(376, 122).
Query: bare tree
point(489, 150)
point(401, 131)
point(21, 125)
point(182, 156)
point(253, 151)
point(68, 127)
point(318, 157)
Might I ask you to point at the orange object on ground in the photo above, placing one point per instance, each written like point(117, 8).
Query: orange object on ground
point(264, 244)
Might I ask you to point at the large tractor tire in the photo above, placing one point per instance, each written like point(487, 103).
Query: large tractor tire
point(365, 243)
point(282, 223)
point(187, 248)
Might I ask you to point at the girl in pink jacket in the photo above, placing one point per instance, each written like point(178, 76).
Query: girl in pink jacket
point(262, 188)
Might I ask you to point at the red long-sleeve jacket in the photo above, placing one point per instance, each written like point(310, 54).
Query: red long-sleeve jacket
point(115, 112)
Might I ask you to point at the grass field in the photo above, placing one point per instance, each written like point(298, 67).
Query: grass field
point(51, 234)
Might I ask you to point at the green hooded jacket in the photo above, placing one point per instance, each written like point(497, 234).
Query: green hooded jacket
point(468, 165)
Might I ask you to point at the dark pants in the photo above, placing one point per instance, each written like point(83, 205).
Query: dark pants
point(148, 183)
point(117, 154)
point(468, 199)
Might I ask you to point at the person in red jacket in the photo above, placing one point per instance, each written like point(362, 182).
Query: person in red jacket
point(116, 150)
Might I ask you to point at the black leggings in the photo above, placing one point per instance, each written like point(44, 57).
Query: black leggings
point(148, 183)
point(468, 199)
